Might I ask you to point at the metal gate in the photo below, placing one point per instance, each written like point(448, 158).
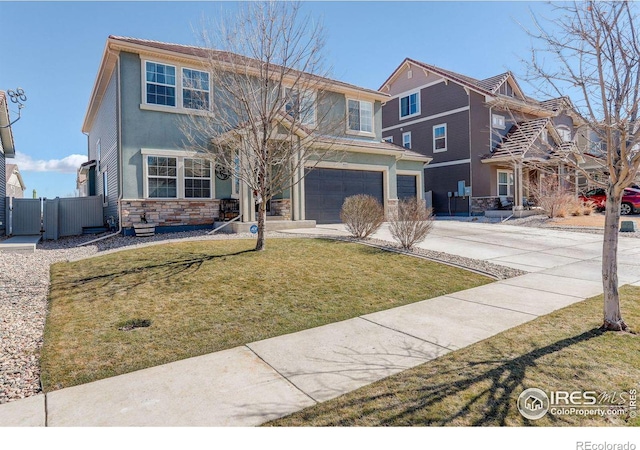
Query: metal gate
point(53, 218)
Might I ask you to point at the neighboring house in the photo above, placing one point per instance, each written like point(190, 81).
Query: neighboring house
point(15, 184)
point(138, 162)
point(7, 150)
point(489, 142)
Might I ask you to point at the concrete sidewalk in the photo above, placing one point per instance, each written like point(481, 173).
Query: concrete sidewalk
point(249, 385)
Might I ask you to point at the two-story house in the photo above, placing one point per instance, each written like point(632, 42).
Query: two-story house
point(15, 183)
point(489, 142)
point(139, 163)
point(7, 150)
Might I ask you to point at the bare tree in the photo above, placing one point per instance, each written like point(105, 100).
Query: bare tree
point(411, 222)
point(270, 115)
point(595, 56)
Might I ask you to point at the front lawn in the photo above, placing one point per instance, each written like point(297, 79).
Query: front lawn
point(202, 297)
point(480, 384)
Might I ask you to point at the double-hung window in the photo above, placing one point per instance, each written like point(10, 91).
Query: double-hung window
point(498, 121)
point(160, 82)
point(195, 89)
point(360, 116)
point(505, 183)
point(197, 178)
point(162, 176)
point(301, 106)
point(410, 105)
point(440, 138)
point(406, 139)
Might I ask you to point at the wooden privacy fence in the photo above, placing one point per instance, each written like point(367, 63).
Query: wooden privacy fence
point(54, 218)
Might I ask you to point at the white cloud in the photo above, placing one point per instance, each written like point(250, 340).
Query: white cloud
point(68, 164)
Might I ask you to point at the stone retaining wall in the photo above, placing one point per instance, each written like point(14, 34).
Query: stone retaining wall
point(281, 207)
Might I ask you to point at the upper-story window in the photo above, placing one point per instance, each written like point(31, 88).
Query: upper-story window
point(498, 121)
point(195, 89)
point(388, 139)
point(160, 84)
point(410, 105)
point(301, 106)
point(406, 139)
point(440, 138)
point(360, 116)
point(565, 133)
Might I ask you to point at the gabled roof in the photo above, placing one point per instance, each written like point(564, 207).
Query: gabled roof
point(521, 142)
point(13, 169)
point(6, 135)
point(196, 55)
point(488, 86)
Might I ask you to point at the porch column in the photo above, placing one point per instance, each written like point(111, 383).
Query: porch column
point(518, 188)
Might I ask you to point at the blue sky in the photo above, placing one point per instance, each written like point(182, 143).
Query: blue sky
point(53, 49)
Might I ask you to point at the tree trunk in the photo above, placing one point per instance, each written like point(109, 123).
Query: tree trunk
point(262, 216)
point(612, 314)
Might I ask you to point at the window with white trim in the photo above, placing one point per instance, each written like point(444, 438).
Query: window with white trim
point(162, 177)
point(360, 116)
point(195, 89)
point(197, 178)
point(564, 132)
point(406, 139)
point(160, 84)
point(410, 105)
point(498, 121)
point(388, 139)
point(440, 138)
point(505, 183)
point(301, 106)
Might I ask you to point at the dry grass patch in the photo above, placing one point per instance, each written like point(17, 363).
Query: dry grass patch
point(480, 384)
point(202, 297)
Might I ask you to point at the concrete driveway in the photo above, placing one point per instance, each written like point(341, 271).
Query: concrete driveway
point(260, 381)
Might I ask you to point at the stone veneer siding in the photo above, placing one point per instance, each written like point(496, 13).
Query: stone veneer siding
point(281, 207)
point(481, 204)
point(170, 212)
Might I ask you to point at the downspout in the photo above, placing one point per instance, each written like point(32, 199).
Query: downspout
point(119, 150)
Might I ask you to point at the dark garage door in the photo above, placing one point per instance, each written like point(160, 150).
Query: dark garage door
point(406, 186)
point(326, 189)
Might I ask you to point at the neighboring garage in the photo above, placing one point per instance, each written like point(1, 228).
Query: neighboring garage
point(407, 186)
point(326, 189)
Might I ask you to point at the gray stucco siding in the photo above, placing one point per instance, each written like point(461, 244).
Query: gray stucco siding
point(142, 128)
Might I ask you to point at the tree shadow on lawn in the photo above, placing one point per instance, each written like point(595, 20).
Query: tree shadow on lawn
point(156, 271)
point(411, 398)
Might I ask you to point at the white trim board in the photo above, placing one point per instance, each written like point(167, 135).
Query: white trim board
point(424, 119)
point(448, 163)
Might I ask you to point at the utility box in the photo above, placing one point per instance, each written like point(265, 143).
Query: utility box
point(628, 226)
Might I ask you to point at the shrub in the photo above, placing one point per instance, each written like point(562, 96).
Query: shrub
point(411, 223)
point(588, 207)
point(362, 214)
point(555, 200)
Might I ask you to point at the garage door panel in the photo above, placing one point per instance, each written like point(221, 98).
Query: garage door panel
point(326, 189)
point(406, 186)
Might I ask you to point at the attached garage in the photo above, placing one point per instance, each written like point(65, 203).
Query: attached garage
point(407, 186)
point(326, 189)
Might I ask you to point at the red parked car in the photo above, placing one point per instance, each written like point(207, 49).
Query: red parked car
point(630, 200)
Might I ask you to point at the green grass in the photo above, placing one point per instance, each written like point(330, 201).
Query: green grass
point(480, 384)
point(202, 297)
